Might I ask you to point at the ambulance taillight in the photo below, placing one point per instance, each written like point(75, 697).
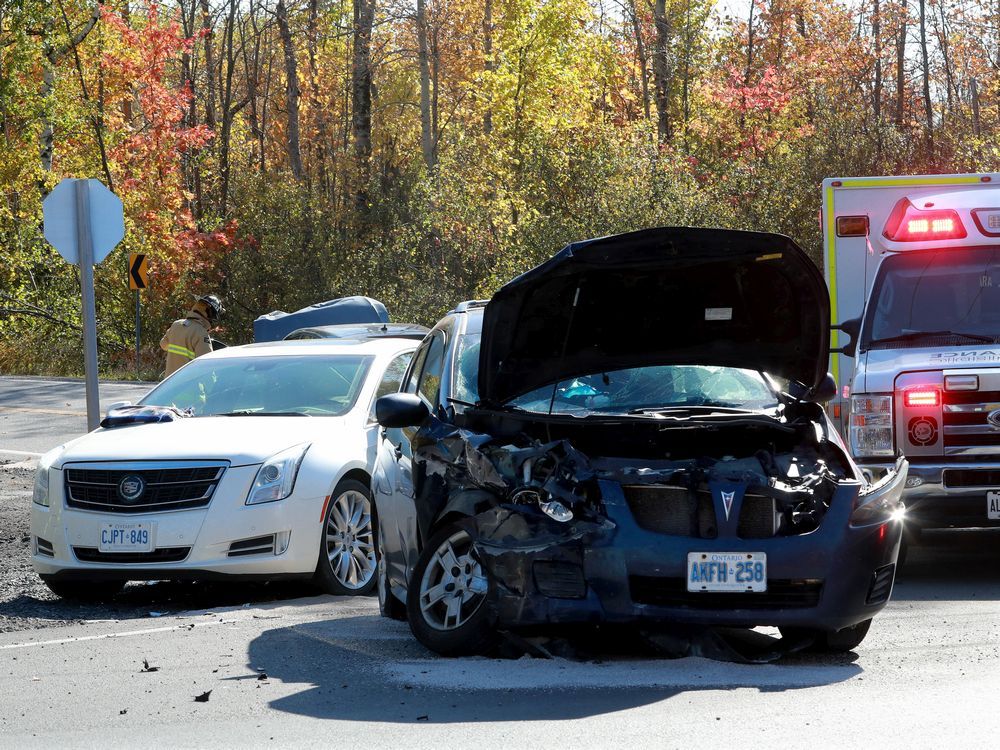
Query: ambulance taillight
point(907, 223)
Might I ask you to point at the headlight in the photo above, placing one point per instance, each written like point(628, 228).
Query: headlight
point(877, 502)
point(40, 494)
point(275, 478)
point(871, 425)
point(552, 508)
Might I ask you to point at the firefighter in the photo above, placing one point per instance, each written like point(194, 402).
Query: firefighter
point(189, 337)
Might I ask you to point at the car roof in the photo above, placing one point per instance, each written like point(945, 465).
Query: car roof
point(363, 331)
point(317, 347)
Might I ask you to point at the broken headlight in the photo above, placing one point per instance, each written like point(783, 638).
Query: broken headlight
point(539, 498)
point(871, 425)
point(874, 505)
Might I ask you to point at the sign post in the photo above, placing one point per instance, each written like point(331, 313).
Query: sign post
point(138, 278)
point(84, 221)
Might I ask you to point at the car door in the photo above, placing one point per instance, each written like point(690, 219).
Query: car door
point(393, 480)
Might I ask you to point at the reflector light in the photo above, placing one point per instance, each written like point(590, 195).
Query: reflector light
point(922, 397)
point(907, 223)
point(987, 221)
point(852, 226)
point(961, 382)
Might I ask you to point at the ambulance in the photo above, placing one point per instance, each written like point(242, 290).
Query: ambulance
point(913, 269)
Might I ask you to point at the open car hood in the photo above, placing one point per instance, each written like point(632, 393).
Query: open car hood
point(676, 295)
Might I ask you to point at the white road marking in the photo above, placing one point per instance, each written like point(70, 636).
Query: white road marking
point(29, 454)
point(103, 636)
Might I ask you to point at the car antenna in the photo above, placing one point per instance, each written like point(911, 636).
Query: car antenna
point(562, 356)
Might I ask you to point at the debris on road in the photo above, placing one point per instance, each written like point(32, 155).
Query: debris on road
point(203, 698)
point(147, 668)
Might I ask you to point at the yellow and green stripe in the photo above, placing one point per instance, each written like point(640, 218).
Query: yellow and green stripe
point(182, 351)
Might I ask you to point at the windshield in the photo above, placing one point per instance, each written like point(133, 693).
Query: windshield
point(272, 386)
point(950, 293)
point(651, 388)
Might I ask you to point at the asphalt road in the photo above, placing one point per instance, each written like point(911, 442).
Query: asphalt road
point(336, 673)
point(37, 414)
point(127, 674)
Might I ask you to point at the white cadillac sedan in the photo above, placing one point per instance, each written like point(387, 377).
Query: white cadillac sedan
point(266, 477)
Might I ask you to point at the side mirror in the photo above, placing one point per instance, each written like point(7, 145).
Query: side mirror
point(852, 328)
point(400, 410)
point(825, 391)
point(118, 405)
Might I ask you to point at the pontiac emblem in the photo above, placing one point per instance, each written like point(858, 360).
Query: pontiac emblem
point(994, 417)
point(727, 502)
point(131, 487)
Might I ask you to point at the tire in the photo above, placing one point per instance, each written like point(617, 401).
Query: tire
point(84, 591)
point(347, 559)
point(472, 632)
point(388, 605)
point(838, 642)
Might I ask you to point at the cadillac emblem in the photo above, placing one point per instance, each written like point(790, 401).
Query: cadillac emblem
point(131, 487)
point(994, 417)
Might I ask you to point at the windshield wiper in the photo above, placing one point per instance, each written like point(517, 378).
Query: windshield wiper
point(252, 413)
point(689, 407)
point(916, 335)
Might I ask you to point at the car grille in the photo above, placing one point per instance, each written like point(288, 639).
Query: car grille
point(881, 585)
point(678, 511)
point(672, 592)
point(167, 486)
point(162, 555)
point(965, 425)
point(258, 545)
point(958, 478)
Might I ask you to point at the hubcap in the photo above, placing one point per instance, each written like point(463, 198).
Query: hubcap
point(453, 586)
point(350, 542)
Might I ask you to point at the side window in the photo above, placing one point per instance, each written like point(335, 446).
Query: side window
point(391, 379)
point(421, 355)
point(429, 384)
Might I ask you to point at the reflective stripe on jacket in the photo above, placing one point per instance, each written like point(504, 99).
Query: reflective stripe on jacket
point(185, 340)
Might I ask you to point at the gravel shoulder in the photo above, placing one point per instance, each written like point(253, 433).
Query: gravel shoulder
point(27, 604)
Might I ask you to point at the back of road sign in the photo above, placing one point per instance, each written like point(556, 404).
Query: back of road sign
point(107, 224)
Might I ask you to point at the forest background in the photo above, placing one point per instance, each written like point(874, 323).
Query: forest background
point(283, 152)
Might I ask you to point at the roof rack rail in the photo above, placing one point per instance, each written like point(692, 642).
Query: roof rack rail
point(470, 304)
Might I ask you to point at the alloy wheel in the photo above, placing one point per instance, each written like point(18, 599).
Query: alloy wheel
point(350, 540)
point(453, 586)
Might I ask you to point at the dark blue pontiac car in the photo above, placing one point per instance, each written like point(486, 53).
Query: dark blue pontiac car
point(632, 432)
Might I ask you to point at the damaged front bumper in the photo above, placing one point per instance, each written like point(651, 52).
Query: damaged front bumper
point(612, 570)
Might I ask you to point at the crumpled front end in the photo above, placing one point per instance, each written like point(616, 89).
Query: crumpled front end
point(568, 537)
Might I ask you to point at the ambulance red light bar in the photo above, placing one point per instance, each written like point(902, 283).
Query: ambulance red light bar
point(907, 223)
point(922, 397)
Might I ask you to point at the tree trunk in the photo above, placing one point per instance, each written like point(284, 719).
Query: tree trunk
point(926, 74)
point(488, 59)
point(901, 67)
point(361, 97)
point(640, 51)
point(423, 55)
point(662, 70)
point(206, 30)
point(291, 91)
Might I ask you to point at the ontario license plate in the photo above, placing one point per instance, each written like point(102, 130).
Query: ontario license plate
point(126, 537)
point(727, 571)
point(993, 505)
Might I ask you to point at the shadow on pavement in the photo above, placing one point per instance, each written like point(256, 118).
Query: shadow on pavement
point(951, 565)
point(371, 669)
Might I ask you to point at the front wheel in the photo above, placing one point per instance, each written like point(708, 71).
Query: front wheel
point(347, 560)
point(446, 602)
point(839, 642)
point(92, 592)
